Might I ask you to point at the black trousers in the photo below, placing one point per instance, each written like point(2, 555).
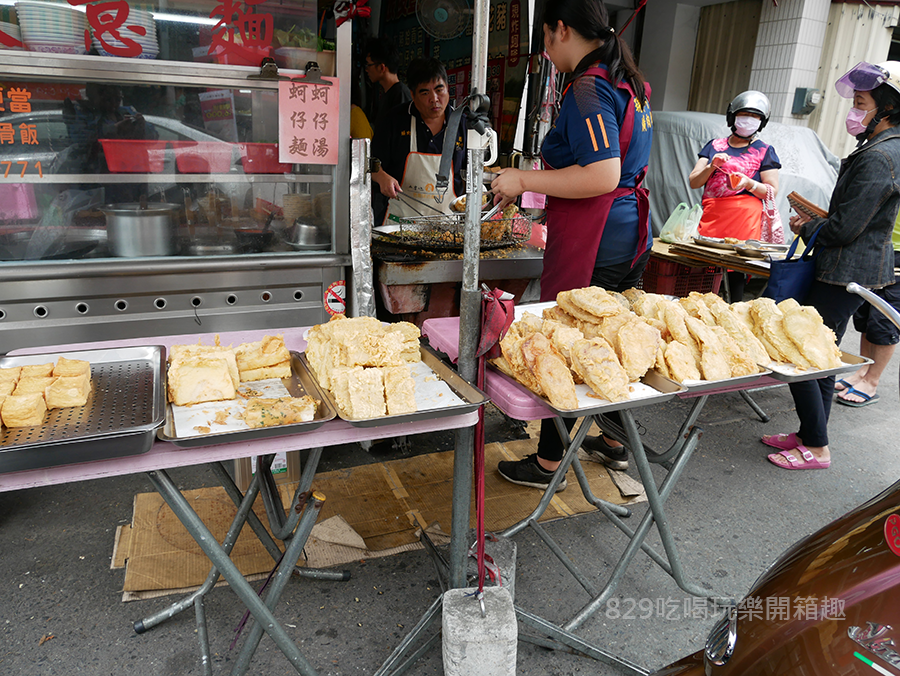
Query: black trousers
point(813, 398)
point(612, 278)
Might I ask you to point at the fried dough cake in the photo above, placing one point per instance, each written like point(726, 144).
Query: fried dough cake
point(529, 323)
point(804, 326)
point(511, 347)
point(713, 359)
point(557, 314)
point(770, 320)
point(632, 294)
point(674, 316)
point(550, 370)
point(596, 301)
point(740, 363)
point(681, 362)
point(399, 390)
point(562, 337)
point(596, 362)
point(646, 305)
point(739, 332)
point(269, 412)
point(695, 307)
point(636, 343)
point(742, 310)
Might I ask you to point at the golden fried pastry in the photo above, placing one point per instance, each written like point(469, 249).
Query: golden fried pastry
point(199, 378)
point(713, 359)
point(511, 347)
point(179, 352)
point(503, 366)
point(366, 392)
point(594, 300)
point(7, 387)
point(770, 321)
point(68, 391)
point(31, 385)
point(646, 305)
point(265, 412)
point(23, 410)
point(740, 333)
point(557, 314)
point(636, 345)
point(596, 362)
point(36, 371)
point(632, 294)
point(564, 300)
point(674, 316)
point(804, 326)
point(71, 367)
point(529, 323)
point(10, 374)
point(282, 370)
point(695, 307)
point(562, 337)
point(660, 363)
point(268, 351)
point(340, 388)
point(550, 370)
point(399, 390)
point(680, 360)
point(739, 361)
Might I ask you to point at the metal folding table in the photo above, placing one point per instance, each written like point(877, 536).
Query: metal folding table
point(520, 403)
point(293, 528)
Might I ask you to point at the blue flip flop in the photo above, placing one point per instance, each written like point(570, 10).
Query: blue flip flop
point(843, 383)
point(866, 398)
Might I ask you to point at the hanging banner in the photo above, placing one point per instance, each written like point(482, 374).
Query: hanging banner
point(308, 122)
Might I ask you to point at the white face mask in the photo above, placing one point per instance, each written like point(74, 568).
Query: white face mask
point(745, 125)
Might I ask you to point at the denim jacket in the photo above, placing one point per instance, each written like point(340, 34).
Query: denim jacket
point(855, 240)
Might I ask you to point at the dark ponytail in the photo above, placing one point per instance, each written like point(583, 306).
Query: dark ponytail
point(590, 19)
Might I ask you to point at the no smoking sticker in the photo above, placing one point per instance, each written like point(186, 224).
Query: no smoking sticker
point(892, 533)
point(336, 298)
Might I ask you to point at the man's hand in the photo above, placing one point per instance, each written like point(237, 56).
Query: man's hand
point(387, 184)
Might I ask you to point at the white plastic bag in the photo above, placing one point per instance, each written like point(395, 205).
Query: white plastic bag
point(674, 224)
point(692, 223)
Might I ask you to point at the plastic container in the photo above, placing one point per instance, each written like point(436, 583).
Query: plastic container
point(203, 157)
point(262, 158)
point(128, 156)
point(674, 279)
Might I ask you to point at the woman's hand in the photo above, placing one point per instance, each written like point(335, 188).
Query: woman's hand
point(719, 159)
point(743, 182)
point(508, 184)
point(797, 222)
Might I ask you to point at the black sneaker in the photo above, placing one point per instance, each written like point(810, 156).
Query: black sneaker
point(614, 457)
point(527, 472)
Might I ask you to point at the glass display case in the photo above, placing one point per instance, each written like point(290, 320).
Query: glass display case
point(138, 141)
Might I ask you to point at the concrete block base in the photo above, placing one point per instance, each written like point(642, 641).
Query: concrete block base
point(503, 552)
point(479, 646)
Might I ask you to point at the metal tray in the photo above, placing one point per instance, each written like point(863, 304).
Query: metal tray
point(471, 395)
point(666, 389)
point(713, 243)
point(737, 381)
point(788, 374)
point(126, 405)
point(299, 384)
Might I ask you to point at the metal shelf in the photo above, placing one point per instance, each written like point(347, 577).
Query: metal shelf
point(167, 178)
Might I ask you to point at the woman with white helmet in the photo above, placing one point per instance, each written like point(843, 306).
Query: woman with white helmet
point(736, 173)
point(854, 242)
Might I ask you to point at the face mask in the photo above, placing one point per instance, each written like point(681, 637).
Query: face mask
point(746, 126)
point(855, 116)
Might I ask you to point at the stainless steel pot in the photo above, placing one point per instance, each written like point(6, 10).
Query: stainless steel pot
point(135, 232)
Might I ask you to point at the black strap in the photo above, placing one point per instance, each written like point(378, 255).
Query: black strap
point(442, 181)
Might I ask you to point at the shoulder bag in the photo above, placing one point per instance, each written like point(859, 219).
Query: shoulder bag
point(772, 229)
point(792, 277)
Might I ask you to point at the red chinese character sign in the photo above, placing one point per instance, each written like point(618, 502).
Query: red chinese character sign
point(242, 36)
point(308, 122)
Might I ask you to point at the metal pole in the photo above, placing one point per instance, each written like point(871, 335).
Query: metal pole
point(469, 314)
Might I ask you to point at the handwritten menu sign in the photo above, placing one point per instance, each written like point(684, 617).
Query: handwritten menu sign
point(308, 122)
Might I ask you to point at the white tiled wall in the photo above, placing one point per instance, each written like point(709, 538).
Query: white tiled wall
point(788, 48)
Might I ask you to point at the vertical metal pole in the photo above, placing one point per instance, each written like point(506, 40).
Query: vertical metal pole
point(469, 314)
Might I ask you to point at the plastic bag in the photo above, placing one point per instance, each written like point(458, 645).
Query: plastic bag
point(682, 225)
point(674, 224)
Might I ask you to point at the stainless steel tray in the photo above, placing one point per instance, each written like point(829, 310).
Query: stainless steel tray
point(737, 381)
point(471, 396)
point(126, 405)
point(665, 389)
point(788, 374)
point(299, 384)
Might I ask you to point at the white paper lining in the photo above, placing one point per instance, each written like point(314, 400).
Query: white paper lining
point(209, 414)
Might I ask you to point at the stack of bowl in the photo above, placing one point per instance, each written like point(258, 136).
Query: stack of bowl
point(51, 28)
point(107, 45)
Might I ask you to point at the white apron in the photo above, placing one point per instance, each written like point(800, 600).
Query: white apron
point(418, 182)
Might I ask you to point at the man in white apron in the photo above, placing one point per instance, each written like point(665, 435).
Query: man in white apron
point(409, 145)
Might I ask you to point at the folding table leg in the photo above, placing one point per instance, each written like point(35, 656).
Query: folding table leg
point(245, 508)
point(282, 576)
point(198, 530)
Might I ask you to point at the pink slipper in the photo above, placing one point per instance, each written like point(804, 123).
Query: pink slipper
point(785, 442)
point(812, 462)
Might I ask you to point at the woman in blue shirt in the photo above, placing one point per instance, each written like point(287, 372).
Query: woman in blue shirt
point(598, 215)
